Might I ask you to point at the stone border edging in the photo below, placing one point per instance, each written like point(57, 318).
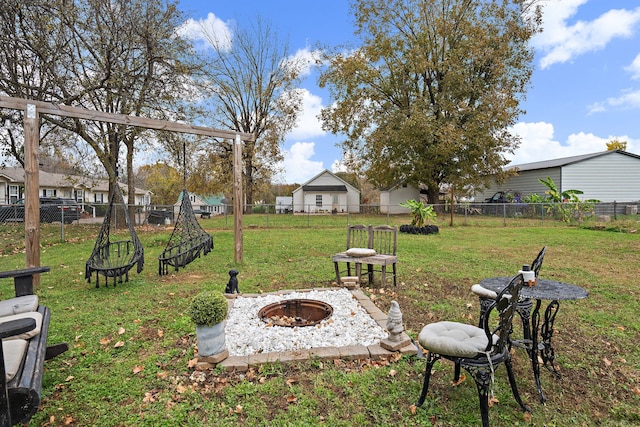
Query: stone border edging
point(352, 352)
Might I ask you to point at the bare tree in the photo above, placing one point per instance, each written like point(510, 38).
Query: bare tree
point(253, 90)
point(117, 56)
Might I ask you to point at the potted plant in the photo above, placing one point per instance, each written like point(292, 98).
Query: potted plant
point(208, 310)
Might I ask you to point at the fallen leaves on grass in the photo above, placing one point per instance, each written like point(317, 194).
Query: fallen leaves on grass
point(138, 369)
point(460, 380)
point(493, 400)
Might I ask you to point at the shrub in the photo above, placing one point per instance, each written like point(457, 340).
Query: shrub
point(208, 308)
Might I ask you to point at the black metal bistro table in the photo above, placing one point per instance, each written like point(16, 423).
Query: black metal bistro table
point(539, 343)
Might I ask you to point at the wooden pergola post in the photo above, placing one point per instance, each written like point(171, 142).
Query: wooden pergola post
point(237, 199)
point(31, 190)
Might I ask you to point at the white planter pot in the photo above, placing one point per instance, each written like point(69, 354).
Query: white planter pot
point(211, 339)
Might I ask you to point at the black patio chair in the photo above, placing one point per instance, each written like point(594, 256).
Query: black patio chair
point(479, 350)
point(487, 296)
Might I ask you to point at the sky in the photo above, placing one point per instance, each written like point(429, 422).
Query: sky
point(585, 89)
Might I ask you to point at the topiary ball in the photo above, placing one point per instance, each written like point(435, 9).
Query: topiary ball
point(208, 308)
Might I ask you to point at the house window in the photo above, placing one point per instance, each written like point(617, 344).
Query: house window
point(192, 198)
point(14, 193)
point(48, 192)
point(98, 197)
point(79, 196)
point(318, 199)
point(147, 200)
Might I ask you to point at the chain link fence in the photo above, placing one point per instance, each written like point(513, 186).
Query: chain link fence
point(273, 216)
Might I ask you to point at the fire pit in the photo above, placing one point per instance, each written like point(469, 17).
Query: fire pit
point(295, 312)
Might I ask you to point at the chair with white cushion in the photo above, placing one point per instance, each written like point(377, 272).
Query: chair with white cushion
point(479, 350)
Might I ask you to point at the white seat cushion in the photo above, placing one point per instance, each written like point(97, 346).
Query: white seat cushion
point(13, 355)
point(27, 335)
point(360, 252)
point(483, 292)
point(18, 305)
point(453, 339)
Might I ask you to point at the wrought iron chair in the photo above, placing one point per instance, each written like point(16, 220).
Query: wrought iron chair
point(487, 296)
point(479, 350)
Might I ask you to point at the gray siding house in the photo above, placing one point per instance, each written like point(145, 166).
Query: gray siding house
point(326, 193)
point(607, 176)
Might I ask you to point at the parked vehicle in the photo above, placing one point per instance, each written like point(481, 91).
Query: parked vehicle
point(505, 197)
point(52, 209)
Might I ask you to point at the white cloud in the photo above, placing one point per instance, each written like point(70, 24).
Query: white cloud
point(206, 31)
point(634, 68)
point(560, 42)
point(308, 124)
point(626, 101)
point(307, 60)
point(339, 166)
point(297, 164)
point(538, 143)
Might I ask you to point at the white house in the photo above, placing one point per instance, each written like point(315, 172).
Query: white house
point(80, 188)
point(284, 204)
point(214, 205)
point(326, 193)
point(607, 176)
point(391, 198)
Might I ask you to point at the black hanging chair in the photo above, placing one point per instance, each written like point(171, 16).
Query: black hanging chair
point(188, 240)
point(115, 258)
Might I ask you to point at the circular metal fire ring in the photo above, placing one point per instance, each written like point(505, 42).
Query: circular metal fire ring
point(296, 312)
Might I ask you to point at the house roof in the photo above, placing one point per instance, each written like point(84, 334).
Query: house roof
point(211, 200)
point(333, 188)
point(554, 163)
point(308, 186)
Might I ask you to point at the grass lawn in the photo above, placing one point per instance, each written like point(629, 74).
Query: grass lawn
point(131, 347)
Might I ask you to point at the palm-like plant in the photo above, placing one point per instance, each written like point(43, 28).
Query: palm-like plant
point(558, 196)
point(422, 214)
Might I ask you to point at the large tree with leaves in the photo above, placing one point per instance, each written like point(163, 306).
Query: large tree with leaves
point(253, 89)
point(116, 56)
point(430, 94)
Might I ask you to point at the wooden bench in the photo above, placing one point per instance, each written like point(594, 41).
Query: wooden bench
point(20, 396)
point(381, 241)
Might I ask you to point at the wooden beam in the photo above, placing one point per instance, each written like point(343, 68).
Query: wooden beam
point(31, 189)
point(237, 199)
point(82, 113)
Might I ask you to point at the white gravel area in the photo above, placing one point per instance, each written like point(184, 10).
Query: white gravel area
point(350, 324)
